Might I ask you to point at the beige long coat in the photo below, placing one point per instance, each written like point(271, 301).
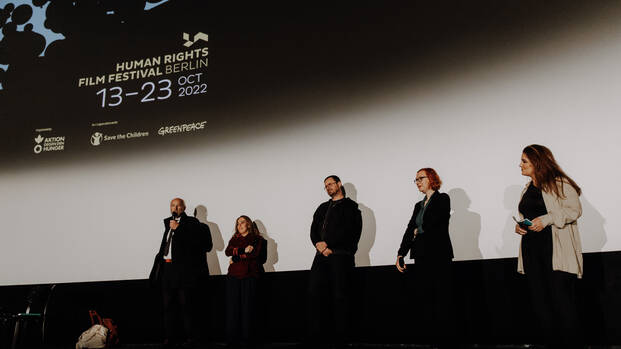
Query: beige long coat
point(562, 215)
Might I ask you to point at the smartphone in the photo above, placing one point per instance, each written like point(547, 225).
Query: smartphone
point(524, 223)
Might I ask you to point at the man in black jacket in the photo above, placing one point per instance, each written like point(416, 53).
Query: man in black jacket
point(178, 267)
point(335, 232)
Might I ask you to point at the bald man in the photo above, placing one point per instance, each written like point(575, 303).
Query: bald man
point(178, 266)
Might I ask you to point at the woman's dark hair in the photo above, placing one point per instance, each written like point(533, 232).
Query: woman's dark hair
point(547, 172)
point(336, 179)
point(434, 180)
point(252, 226)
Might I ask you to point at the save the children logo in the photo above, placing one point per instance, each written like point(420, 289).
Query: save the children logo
point(99, 138)
point(96, 138)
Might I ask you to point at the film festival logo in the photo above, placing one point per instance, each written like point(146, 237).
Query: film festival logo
point(47, 144)
point(200, 36)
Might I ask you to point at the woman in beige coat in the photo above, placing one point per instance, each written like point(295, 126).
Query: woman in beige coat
point(550, 251)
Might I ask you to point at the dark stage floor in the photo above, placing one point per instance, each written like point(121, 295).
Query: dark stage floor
point(359, 346)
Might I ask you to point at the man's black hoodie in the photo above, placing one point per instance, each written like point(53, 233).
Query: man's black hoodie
point(339, 224)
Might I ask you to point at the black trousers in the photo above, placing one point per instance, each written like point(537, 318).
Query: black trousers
point(553, 293)
point(177, 302)
point(431, 299)
point(330, 280)
point(240, 309)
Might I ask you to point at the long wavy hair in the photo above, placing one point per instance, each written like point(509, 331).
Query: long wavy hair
point(547, 172)
point(253, 230)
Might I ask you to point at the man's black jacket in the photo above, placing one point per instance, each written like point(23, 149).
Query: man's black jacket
point(190, 242)
point(343, 226)
point(434, 242)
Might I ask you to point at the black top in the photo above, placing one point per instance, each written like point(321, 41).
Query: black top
point(532, 205)
point(339, 224)
point(435, 242)
point(190, 242)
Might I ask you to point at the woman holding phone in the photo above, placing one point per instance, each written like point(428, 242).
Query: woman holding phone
point(245, 249)
point(550, 252)
point(427, 240)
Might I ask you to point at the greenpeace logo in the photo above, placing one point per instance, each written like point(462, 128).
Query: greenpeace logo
point(182, 128)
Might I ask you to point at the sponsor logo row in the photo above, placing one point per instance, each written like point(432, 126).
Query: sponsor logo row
point(57, 143)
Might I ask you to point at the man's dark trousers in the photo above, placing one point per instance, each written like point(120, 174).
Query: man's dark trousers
point(330, 279)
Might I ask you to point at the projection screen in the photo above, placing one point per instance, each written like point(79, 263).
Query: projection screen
point(111, 110)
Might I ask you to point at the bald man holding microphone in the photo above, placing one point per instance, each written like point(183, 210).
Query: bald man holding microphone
point(177, 268)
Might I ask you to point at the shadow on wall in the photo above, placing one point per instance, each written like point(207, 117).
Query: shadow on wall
point(510, 240)
point(272, 248)
point(369, 227)
point(464, 227)
point(591, 226)
point(200, 212)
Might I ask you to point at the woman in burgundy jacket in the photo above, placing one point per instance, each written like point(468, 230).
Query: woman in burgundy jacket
point(246, 251)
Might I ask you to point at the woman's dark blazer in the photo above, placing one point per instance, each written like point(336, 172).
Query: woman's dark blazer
point(434, 242)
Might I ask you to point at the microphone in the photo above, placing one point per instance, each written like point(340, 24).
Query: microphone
point(176, 217)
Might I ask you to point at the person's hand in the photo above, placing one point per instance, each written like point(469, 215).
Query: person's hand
point(230, 260)
point(327, 252)
point(401, 270)
point(415, 232)
point(519, 230)
point(321, 246)
point(537, 225)
point(173, 224)
point(248, 249)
